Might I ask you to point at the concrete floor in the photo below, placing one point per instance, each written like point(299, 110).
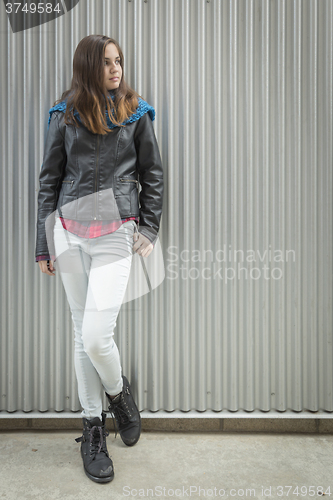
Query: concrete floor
point(47, 465)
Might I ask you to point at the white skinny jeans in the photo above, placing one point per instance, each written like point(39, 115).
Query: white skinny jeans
point(95, 274)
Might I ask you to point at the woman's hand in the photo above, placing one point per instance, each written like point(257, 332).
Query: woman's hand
point(142, 245)
point(47, 270)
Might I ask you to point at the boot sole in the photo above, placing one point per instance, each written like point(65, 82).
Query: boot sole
point(97, 479)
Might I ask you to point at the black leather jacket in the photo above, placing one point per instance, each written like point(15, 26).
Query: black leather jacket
point(78, 163)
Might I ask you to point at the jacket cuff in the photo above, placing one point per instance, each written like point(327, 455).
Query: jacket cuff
point(42, 257)
point(46, 257)
point(149, 233)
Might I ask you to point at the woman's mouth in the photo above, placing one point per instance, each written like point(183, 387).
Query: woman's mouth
point(114, 78)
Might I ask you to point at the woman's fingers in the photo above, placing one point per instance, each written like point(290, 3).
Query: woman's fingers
point(142, 245)
point(45, 269)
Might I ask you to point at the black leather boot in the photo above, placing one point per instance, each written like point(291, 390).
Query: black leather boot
point(96, 460)
point(126, 414)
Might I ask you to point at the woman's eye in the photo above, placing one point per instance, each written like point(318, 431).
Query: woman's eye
point(107, 62)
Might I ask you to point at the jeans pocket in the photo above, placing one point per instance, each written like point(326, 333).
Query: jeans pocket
point(130, 224)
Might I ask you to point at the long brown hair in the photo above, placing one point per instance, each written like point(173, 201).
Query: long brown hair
point(88, 94)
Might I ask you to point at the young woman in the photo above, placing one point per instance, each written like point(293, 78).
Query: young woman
point(100, 146)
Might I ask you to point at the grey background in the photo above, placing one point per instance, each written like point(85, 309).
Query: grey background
point(243, 100)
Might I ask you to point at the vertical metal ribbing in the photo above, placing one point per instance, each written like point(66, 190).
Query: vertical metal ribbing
point(243, 100)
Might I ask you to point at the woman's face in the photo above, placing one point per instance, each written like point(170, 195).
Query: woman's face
point(112, 69)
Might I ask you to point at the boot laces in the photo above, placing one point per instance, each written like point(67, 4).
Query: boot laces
point(97, 440)
point(120, 411)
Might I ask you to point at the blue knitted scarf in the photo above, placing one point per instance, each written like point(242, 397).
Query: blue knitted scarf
point(143, 108)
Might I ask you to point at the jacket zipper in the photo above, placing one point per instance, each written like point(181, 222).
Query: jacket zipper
point(97, 153)
point(129, 180)
point(71, 182)
point(132, 180)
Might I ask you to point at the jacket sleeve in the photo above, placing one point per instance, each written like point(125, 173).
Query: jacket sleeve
point(149, 165)
point(50, 176)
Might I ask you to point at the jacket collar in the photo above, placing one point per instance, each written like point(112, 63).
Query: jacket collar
point(143, 108)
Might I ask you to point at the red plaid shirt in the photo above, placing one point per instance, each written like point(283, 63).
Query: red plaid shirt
point(89, 229)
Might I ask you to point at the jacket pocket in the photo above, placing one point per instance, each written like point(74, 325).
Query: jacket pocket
point(128, 196)
point(126, 186)
point(135, 202)
point(68, 182)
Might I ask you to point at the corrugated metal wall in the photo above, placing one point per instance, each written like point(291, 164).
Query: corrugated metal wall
point(243, 99)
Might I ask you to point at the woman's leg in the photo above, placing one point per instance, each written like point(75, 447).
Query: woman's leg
point(71, 253)
point(109, 273)
point(95, 292)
